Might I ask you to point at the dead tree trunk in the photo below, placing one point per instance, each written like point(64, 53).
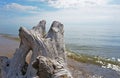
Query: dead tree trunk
point(48, 54)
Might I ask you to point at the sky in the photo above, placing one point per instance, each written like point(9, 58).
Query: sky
point(69, 12)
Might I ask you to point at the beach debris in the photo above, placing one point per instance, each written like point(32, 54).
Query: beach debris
point(48, 59)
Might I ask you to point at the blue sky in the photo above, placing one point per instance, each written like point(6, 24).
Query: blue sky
point(69, 12)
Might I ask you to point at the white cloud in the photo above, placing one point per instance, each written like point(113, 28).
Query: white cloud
point(87, 16)
point(16, 6)
point(75, 3)
point(107, 14)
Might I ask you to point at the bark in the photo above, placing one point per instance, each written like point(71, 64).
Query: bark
point(48, 68)
point(45, 47)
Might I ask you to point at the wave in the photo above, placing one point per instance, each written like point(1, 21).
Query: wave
point(111, 63)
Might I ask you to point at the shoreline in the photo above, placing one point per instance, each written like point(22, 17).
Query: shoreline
point(84, 58)
point(81, 65)
point(8, 45)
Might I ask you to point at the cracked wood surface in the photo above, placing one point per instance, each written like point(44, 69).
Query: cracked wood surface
point(47, 48)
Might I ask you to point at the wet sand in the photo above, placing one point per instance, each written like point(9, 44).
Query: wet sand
point(7, 46)
point(84, 70)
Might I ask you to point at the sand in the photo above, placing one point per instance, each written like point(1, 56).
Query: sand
point(7, 46)
point(78, 69)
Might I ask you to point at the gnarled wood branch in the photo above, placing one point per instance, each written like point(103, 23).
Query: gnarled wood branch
point(48, 47)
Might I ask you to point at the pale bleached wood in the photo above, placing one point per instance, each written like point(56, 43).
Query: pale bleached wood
point(47, 46)
point(4, 66)
point(49, 68)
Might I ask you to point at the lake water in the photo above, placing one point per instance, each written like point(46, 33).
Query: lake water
point(93, 40)
point(101, 41)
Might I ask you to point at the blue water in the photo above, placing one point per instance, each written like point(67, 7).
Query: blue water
point(93, 40)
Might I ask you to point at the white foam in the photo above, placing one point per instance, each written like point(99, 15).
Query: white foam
point(118, 59)
point(113, 67)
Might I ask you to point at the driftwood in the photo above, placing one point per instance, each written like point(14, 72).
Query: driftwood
point(48, 59)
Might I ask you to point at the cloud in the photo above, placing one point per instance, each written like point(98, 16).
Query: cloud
point(88, 15)
point(107, 15)
point(19, 7)
point(75, 3)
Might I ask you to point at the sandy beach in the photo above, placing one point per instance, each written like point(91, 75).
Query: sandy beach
point(7, 46)
point(78, 69)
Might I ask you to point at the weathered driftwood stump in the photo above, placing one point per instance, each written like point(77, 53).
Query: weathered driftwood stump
point(48, 59)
